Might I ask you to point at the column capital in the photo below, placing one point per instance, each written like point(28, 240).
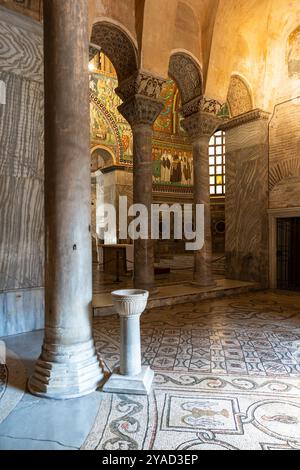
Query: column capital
point(141, 110)
point(141, 83)
point(201, 116)
point(202, 104)
point(201, 124)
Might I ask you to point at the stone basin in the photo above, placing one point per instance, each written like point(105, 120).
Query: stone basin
point(130, 377)
point(130, 302)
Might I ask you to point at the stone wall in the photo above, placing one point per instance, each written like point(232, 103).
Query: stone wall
point(21, 175)
point(247, 197)
point(31, 8)
point(284, 176)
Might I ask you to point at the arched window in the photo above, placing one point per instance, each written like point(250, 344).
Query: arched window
point(216, 152)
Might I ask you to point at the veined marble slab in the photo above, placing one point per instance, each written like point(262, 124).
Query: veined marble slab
point(21, 175)
point(21, 311)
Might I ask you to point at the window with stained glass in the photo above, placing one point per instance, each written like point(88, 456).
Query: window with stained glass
point(217, 177)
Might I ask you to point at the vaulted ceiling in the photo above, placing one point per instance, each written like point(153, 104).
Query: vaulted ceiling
point(227, 37)
point(246, 38)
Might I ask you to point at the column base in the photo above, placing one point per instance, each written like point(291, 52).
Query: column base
point(132, 385)
point(74, 374)
point(204, 283)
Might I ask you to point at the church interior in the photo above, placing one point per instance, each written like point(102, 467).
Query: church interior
point(115, 343)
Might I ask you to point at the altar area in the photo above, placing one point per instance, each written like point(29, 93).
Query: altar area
point(173, 286)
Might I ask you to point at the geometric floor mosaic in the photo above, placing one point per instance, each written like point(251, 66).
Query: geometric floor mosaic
point(252, 335)
point(227, 377)
point(197, 412)
point(12, 384)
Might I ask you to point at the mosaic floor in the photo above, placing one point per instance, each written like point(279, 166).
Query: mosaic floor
point(227, 377)
point(12, 384)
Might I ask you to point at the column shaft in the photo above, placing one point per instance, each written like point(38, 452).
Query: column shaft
point(200, 126)
point(130, 356)
point(203, 258)
point(141, 112)
point(142, 194)
point(68, 364)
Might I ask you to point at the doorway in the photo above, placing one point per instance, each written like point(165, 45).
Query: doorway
point(288, 253)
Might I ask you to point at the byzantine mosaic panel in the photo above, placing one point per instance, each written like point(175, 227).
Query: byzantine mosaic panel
point(172, 151)
point(239, 97)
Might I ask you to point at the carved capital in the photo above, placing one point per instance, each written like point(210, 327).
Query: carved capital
point(141, 83)
point(141, 109)
point(202, 104)
point(201, 124)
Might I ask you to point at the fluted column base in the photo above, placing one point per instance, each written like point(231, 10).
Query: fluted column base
point(66, 372)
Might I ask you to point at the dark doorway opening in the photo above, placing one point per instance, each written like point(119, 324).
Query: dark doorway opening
point(288, 254)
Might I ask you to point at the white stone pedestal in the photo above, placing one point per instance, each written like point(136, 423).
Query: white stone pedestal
point(131, 377)
point(132, 385)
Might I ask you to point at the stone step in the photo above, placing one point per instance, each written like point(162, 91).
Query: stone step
point(179, 294)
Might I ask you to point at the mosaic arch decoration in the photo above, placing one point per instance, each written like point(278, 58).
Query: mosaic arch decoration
point(239, 97)
point(294, 54)
point(165, 121)
point(172, 152)
point(118, 47)
point(101, 120)
point(187, 75)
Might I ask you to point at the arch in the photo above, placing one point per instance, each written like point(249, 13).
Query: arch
point(293, 54)
point(110, 121)
point(239, 98)
point(186, 73)
point(187, 19)
point(104, 153)
point(283, 170)
point(187, 28)
point(117, 45)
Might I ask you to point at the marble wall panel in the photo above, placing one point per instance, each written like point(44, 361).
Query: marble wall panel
point(21, 175)
point(21, 311)
point(21, 46)
point(247, 200)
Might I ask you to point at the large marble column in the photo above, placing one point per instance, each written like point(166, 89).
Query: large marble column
point(68, 366)
point(200, 126)
point(140, 108)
